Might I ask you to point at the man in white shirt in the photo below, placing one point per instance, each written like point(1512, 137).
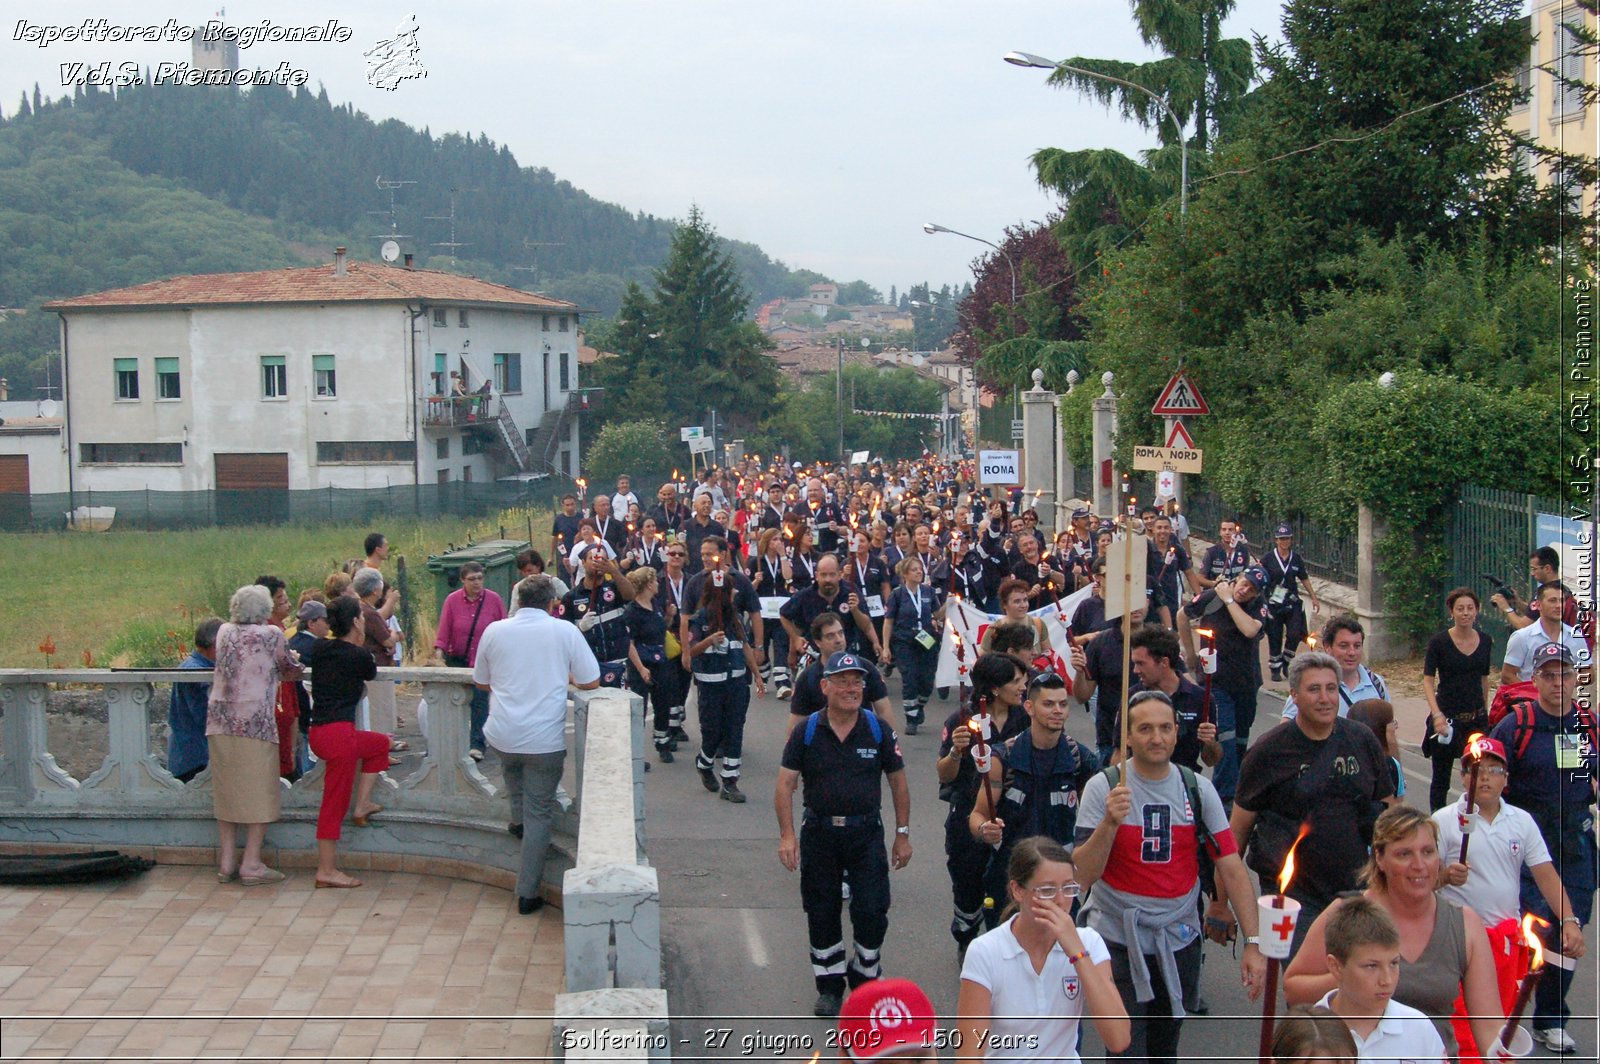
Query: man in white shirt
point(1345, 639)
point(624, 496)
point(525, 662)
point(1364, 956)
point(1549, 628)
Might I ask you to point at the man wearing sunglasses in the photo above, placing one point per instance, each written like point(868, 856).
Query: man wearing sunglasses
point(1138, 843)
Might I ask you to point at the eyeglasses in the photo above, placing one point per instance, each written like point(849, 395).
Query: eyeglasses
point(1493, 770)
point(677, 554)
point(1051, 891)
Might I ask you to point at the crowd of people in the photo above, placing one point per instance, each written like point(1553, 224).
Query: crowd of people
point(1105, 866)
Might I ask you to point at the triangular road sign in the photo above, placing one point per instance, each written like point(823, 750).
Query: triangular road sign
point(1180, 398)
point(1179, 436)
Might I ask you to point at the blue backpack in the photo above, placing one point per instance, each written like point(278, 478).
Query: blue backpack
point(872, 722)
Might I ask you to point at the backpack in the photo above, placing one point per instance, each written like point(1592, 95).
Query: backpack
point(1521, 702)
point(872, 723)
point(1208, 842)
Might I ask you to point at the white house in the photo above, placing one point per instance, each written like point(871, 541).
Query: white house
point(327, 376)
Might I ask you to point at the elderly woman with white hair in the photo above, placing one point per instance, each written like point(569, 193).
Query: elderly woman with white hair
point(252, 658)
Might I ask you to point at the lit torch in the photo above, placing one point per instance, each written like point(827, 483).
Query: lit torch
point(1278, 915)
point(982, 752)
point(1208, 665)
point(1475, 748)
point(1524, 991)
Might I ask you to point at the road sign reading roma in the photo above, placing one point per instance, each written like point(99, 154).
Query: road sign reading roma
point(1177, 459)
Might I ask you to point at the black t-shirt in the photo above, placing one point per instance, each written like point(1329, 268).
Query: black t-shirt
point(339, 675)
point(1103, 658)
point(1090, 615)
point(615, 533)
point(808, 696)
point(669, 521)
point(1285, 574)
point(694, 534)
point(767, 576)
point(1460, 676)
point(826, 539)
point(1167, 569)
point(745, 599)
point(1335, 784)
point(1220, 562)
point(806, 606)
point(962, 792)
point(1238, 664)
point(841, 778)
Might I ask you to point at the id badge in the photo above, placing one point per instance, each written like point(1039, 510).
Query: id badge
point(1279, 594)
point(770, 605)
point(926, 640)
point(1569, 753)
point(874, 605)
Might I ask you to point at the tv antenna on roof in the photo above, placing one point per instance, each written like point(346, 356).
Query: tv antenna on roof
point(452, 243)
point(394, 233)
point(533, 260)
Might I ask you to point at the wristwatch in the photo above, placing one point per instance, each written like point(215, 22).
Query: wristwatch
point(1252, 940)
point(903, 831)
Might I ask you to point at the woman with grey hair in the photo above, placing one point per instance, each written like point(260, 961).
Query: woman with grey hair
point(242, 733)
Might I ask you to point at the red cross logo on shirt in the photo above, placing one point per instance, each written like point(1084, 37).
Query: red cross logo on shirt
point(1284, 928)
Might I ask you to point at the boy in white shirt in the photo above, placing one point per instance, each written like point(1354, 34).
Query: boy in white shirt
point(1364, 956)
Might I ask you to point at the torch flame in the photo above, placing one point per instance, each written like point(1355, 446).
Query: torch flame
point(1475, 745)
point(1311, 641)
point(976, 725)
point(1531, 937)
point(1288, 862)
point(1206, 633)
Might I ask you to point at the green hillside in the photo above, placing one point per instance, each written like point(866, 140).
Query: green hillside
point(103, 190)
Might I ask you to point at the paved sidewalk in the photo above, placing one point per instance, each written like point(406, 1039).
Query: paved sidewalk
point(172, 965)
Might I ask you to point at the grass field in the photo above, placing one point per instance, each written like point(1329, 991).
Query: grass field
point(120, 596)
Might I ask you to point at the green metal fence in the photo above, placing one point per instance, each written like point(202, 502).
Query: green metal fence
point(1492, 535)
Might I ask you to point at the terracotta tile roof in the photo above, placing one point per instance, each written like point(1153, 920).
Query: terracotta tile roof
point(365, 282)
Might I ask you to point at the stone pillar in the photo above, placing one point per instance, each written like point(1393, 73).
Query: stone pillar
point(1066, 476)
point(1383, 640)
point(1039, 442)
point(1105, 432)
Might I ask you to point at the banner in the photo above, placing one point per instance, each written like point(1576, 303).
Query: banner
point(968, 622)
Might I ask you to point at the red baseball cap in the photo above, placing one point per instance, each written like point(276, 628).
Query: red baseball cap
point(1485, 747)
point(886, 1018)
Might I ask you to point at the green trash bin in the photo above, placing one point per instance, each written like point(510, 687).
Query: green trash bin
point(498, 558)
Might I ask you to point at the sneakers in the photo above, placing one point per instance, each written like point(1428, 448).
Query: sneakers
point(664, 752)
point(708, 777)
point(732, 793)
point(785, 692)
point(828, 1005)
point(1555, 1039)
point(1277, 671)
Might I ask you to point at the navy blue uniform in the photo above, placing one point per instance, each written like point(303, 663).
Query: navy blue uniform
point(1038, 795)
point(841, 835)
point(911, 614)
point(966, 858)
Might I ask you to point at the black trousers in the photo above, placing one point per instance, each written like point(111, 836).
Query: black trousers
point(1155, 1032)
point(966, 860)
point(1285, 632)
point(827, 855)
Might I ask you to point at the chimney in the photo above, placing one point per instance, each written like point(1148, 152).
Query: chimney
point(409, 259)
point(339, 269)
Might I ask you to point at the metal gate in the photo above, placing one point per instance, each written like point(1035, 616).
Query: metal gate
point(1492, 536)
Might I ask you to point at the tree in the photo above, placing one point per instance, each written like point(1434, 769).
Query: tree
point(858, 293)
point(687, 345)
point(899, 425)
point(634, 447)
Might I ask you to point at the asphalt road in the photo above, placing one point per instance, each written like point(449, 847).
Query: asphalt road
point(737, 965)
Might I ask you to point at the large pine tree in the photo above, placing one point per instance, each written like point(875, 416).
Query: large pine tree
point(688, 346)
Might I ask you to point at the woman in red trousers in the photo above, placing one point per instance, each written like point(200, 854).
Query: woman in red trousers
point(341, 666)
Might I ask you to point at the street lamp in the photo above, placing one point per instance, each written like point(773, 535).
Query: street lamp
point(1034, 62)
point(933, 227)
point(930, 228)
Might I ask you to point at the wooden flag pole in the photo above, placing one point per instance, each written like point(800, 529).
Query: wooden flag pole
point(1127, 618)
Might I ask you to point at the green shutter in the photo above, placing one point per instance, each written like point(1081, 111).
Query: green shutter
point(272, 360)
point(127, 365)
point(319, 362)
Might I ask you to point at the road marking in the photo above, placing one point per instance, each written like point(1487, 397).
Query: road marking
point(752, 934)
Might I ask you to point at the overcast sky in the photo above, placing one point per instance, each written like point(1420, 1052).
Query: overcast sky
point(827, 132)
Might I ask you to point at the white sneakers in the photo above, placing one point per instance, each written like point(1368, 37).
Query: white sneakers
point(1556, 1040)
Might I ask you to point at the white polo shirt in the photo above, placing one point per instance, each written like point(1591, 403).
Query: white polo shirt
point(1028, 1008)
point(1403, 1036)
point(1500, 849)
point(1369, 685)
point(526, 659)
point(1524, 641)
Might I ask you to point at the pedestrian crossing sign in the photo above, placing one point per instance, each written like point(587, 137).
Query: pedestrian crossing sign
point(1180, 398)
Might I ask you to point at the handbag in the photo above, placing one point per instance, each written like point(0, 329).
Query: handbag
point(674, 648)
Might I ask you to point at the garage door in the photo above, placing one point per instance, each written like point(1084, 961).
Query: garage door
point(252, 472)
point(252, 489)
point(13, 474)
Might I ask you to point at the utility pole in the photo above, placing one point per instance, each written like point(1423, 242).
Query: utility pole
point(839, 400)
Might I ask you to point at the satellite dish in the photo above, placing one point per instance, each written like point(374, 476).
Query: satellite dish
point(390, 251)
point(47, 408)
point(866, 341)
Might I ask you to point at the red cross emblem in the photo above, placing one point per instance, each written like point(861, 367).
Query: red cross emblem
point(1284, 928)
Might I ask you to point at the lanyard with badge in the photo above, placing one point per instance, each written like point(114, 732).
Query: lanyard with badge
point(924, 638)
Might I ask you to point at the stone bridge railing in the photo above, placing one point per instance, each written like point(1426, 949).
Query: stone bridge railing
point(443, 817)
